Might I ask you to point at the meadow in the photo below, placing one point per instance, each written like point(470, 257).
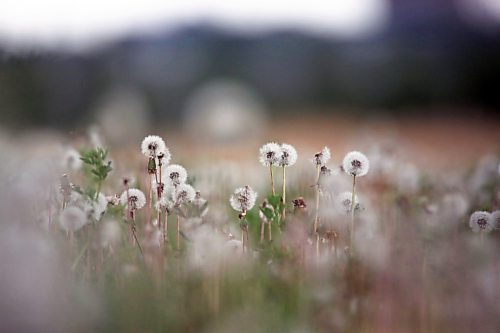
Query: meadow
point(319, 229)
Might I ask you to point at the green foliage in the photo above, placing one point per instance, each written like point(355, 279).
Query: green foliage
point(96, 168)
point(96, 164)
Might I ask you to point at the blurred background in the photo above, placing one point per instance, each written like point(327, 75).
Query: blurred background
point(219, 69)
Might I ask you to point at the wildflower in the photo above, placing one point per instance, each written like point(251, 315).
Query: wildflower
point(481, 221)
point(344, 202)
point(175, 175)
point(183, 193)
point(288, 155)
point(299, 203)
point(152, 146)
point(495, 216)
point(356, 164)
point(243, 199)
point(72, 218)
point(325, 171)
point(133, 199)
point(270, 154)
point(164, 203)
point(322, 157)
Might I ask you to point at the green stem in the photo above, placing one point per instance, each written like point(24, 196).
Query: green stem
point(272, 179)
point(284, 193)
point(353, 206)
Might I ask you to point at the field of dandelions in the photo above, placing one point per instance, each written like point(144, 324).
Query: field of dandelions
point(138, 240)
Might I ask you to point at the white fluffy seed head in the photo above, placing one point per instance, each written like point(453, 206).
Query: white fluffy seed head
point(288, 155)
point(270, 154)
point(322, 157)
point(495, 216)
point(133, 199)
point(344, 202)
point(174, 175)
point(100, 206)
point(72, 218)
point(481, 221)
point(153, 145)
point(356, 164)
point(183, 193)
point(243, 199)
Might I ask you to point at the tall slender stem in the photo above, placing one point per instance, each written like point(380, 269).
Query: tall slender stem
point(272, 178)
point(284, 194)
point(178, 232)
point(262, 228)
point(270, 231)
point(165, 228)
point(316, 217)
point(353, 207)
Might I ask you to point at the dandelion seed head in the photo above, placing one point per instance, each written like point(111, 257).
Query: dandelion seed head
point(243, 199)
point(481, 221)
point(152, 146)
point(164, 157)
point(183, 193)
point(322, 157)
point(270, 154)
point(99, 206)
point(174, 175)
point(344, 202)
point(72, 218)
point(355, 164)
point(135, 199)
point(288, 155)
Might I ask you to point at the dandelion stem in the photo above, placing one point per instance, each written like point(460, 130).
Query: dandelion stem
point(316, 218)
point(178, 232)
point(270, 231)
point(353, 206)
point(132, 228)
point(272, 179)
point(262, 228)
point(165, 228)
point(284, 194)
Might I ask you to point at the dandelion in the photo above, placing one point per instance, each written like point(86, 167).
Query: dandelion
point(175, 175)
point(99, 206)
point(344, 202)
point(269, 155)
point(152, 146)
point(243, 200)
point(321, 158)
point(288, 155)
point(481, 221)
point(288, 158)
point(133, 199)
point(182, 194)
point(355, 164)
point(72, 219)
